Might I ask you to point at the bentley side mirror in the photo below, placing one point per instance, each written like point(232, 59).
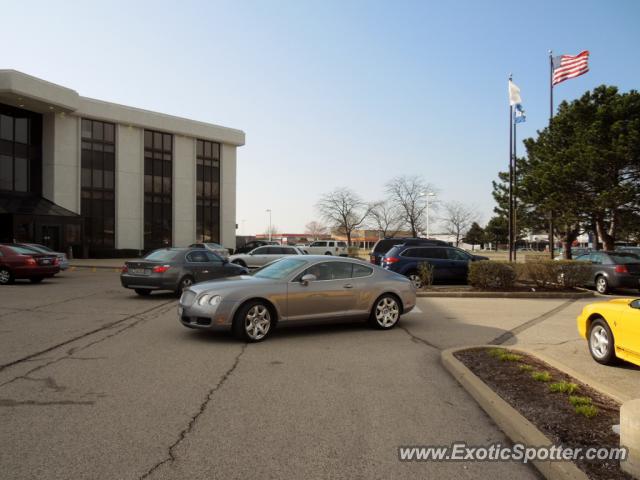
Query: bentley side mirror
point(309, 277)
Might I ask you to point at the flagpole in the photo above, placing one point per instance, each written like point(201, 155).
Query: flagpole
point(551, 219)
point(510, 178)
point(515, 193)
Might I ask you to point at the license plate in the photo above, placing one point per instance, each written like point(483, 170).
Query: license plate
point(46, 262)
point(140, 271)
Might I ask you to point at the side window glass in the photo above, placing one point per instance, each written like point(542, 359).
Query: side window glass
point(213, 258)
point(260, 250)
point(197, 257)
point(341, 270)
point(289, 251)
point(322, 271)
point(331, 244)
point(596, 258)
point(361, 271)
point(411, 252)
point(456, 254)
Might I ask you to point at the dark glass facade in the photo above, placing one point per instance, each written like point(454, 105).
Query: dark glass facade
point(20, 150)
point(98, 184)
point(207, 191)
point(158, 178)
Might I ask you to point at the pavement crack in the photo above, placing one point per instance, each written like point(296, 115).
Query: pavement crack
point(8, 402)
point(84, 335)
point(416, 339)
point(171, 455)
point(509, 334)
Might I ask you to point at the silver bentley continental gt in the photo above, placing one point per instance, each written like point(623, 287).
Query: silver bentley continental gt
point(296, 289)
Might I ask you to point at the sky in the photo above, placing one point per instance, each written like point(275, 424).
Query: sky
point(332, 93)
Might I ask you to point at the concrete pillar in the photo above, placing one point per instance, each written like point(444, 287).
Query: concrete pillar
point(184, 191)
point(129, 187)
point(630, 436)
point(228, 196)
point(61, 160)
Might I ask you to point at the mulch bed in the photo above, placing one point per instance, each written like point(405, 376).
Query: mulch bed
point(551, 412)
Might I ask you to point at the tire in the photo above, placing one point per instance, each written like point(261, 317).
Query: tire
point(602, 285)
point(415, 279)
point(254, 321)
point(36, 279)
point(6, 277)
point(386, 312)
point(185, 282)
point(327, 253)
point(601, 342)
point(143, 292)
point(240, 262)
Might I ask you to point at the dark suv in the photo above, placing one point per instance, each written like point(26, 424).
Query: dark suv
point(383, 246)
point(450, 264)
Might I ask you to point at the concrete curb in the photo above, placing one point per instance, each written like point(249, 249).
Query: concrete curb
point(510, 421)
point(586, 294)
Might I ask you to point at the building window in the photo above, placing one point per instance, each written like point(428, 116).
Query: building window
point(19, 151)
point(207, 191)
point(98, 183)
point(158, 177)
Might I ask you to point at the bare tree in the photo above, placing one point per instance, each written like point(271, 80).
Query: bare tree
point(408, 194)
point(343, 210)
point(273, 231)
point(386, 217)
point(457, 219)
point(315, 229)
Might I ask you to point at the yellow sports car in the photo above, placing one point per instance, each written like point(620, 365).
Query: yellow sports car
point(612, 329)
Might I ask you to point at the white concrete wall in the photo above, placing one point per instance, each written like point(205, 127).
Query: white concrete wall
point(129, 187)
point(184, 191)
point(61, 160)
point(228, 196)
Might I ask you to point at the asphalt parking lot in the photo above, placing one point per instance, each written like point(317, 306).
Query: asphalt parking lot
point(96, 382)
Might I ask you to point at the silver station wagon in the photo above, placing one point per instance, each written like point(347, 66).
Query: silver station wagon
point(294, 289)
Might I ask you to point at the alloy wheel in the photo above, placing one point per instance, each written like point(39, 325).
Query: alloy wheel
point(599, 341)
point(257, 322)
point(416, 280)
point(5, 276)
point(601, 285)
point(387, 312)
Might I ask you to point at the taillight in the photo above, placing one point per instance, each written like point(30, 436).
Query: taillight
point(125, 269)
point(55, 261)
point(390, 260)
point(621, 269)
point(161, 268)
point(30, 261)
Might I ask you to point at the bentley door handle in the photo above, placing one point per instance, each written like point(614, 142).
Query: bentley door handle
point(348, 285)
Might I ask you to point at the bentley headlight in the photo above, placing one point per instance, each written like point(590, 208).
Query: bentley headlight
point(207, 299)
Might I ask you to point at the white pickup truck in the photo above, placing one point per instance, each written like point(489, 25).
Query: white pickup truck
point(327, 247)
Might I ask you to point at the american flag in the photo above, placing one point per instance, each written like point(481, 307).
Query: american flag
point(570, 66)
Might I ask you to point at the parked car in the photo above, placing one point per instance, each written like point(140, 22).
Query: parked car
point(611, 270)
point(17, 262)
point(262, 255)
point(175, 269)
point(612, 330)
point(212, 247)
point(450, 264)
point(253, 244)
point(328, 247)
point(575, 252)
point(629, 249)
point(296, 289)
point(62, 257)
point(382, 246)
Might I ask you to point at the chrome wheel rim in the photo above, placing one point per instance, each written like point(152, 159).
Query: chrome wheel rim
point(601, 285)
point(599, 341)
point(4, 276)
point(416, 280)
point(257, 322)
point(387, 312)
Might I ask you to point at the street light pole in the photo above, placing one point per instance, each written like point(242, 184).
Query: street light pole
point(269, 210)
point(428, 195)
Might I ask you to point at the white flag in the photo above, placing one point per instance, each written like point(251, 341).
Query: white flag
point(514, 94)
